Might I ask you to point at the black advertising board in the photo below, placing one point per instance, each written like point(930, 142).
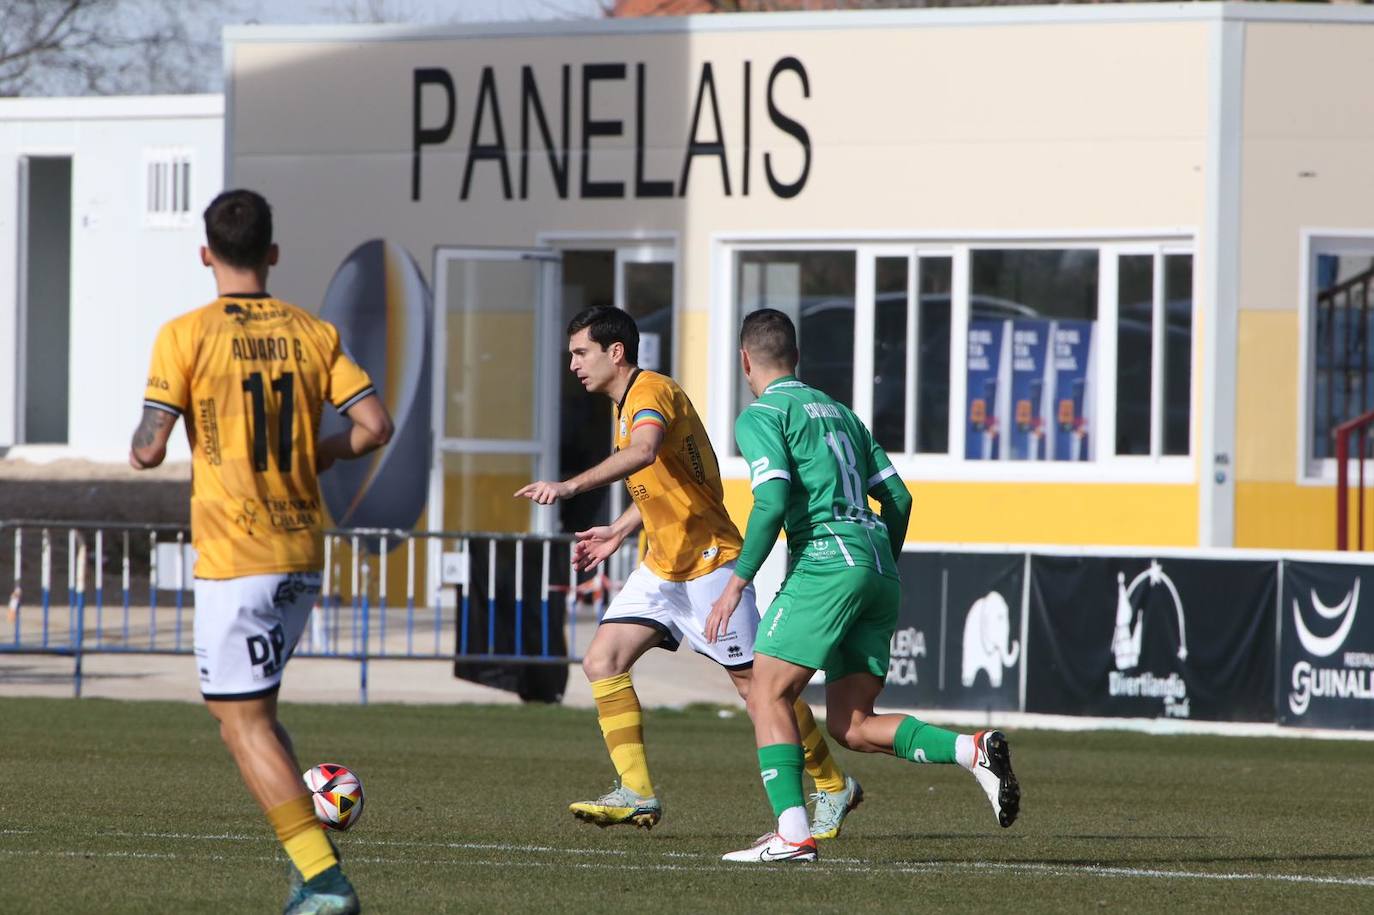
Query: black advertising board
point(1166, 638)
point(1326, 646)
point(958, 639)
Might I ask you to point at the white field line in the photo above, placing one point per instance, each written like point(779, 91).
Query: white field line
point(827, 866)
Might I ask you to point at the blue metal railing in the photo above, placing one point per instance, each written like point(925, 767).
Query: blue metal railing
point(442, 617)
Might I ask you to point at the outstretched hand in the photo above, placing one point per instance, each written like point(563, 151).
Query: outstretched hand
point(594, 546)
point(544, 492)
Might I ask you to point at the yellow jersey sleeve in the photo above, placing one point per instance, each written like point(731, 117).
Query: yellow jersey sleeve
point(348, 383)
point(679, 495)
point(649, 403)
point(169, 374)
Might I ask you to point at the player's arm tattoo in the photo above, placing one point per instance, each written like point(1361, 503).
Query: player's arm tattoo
point(153, 423)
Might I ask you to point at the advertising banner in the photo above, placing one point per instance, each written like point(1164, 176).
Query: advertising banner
point(958, 639)
point(1030, 398)
point(1326, 646)
point(1166, 638)
point(987, 360)
point(1072, 372)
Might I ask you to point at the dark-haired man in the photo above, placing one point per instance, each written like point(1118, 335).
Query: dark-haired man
point(666, 460)
point(250, 374)
point(813, 466)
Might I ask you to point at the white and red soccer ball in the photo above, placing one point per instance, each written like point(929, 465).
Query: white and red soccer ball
point(337, 793)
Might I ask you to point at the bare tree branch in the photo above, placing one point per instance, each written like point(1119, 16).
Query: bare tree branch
point(102, 47)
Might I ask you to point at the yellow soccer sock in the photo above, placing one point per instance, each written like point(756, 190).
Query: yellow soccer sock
point(622, 724)
point(820, 765)
point(302, 836)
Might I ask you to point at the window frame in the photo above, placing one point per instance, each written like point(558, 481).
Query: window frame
point(1312, 471)
point(168, 187)
point(1159, 327)
point(1106, 466)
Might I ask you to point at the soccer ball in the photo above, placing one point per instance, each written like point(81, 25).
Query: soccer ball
point(338, 795)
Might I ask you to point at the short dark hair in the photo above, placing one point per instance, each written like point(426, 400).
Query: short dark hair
point(238, 228)
point(607, 325)
point(770, 337)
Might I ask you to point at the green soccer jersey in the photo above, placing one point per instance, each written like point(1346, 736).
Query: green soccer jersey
point(829, 459)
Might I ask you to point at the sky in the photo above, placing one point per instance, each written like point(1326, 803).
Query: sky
point(195, 66)
point(319, 11)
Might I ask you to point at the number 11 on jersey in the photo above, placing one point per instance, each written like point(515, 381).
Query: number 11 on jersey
point(284, 387)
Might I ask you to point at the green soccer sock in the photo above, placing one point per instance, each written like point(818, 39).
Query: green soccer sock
point(923, 743)
point(780, 766)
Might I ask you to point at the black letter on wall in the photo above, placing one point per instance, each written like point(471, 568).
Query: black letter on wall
point(478, 151)
point(592, 128)
point(788, 126)
point(644, 188)
point(422, 136)
point(529, 98)
point(695, 148)
point(744, 182)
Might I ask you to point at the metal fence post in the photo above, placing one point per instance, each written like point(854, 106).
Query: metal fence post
point(17, 595)
point(365, 606)
point(78, 637)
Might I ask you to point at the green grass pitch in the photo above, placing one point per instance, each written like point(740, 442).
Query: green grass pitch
point(135, 807)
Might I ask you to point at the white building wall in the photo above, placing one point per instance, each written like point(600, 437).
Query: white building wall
point(127, 277)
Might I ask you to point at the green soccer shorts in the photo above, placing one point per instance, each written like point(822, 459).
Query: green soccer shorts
point(836, 619)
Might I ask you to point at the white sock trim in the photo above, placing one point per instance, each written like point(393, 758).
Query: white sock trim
point(793, 825)
point(963, 750)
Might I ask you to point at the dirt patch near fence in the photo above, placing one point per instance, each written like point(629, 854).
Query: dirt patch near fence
point(74, 490)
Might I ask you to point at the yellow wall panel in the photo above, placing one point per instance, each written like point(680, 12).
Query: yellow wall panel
point(694, 338)
point(1266, 396)
point(1289, 516)
point(1062, 513)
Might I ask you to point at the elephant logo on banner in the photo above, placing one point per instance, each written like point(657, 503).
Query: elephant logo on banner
point(987, 640)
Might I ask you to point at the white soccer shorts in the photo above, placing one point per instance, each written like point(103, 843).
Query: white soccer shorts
point(679, 610)
point(246, 629)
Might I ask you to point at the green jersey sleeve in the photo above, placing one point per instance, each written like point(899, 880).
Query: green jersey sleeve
point(762, 442)
point(879, 465)
point(887, 487)
point(759, 434)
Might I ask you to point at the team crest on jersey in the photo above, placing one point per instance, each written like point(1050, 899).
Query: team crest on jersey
point(248, 518)
point(624, 427)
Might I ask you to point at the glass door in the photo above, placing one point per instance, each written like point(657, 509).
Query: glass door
point(495, 422)
point(646, 287)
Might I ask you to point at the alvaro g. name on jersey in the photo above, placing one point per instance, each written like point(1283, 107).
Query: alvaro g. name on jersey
point(250, 375)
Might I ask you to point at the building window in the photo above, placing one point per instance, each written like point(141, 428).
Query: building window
point(911, 353)
point(816, 290)
point(1341, 382)
point(1031, 354)
point(1154, 352)
point(888, 329)
point(167, 187)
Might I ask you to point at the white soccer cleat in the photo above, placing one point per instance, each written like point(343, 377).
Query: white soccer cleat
point(992, 768)
point(773, 848)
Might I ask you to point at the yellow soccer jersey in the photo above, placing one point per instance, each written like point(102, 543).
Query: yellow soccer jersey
point(679, 495)
point(249, 375)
